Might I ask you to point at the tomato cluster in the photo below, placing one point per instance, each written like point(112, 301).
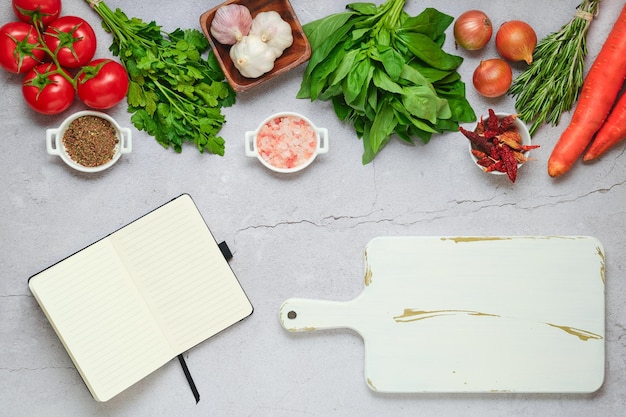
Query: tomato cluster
point(56, 55)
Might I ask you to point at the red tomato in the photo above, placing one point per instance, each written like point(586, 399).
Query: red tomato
point(45, 11)
point(17, 47)
point(46, 91)
point(72, 39)
point(102, 84)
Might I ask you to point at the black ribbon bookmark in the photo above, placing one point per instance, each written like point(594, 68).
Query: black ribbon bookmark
point(192, 384)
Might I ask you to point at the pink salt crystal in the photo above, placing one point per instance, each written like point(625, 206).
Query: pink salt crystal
point(286, 141)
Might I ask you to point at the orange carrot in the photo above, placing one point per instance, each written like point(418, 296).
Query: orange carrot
point(599, 91)
point(611, 132)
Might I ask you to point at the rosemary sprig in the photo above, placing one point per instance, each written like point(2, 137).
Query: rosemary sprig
point(552, 83)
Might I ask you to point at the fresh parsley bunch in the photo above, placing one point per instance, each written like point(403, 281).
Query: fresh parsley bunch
point(175, 94)
point(386, 73)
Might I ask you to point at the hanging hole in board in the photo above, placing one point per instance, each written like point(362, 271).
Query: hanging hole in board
point(292, 315)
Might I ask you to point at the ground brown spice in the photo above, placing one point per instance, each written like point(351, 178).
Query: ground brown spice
point(90, 140)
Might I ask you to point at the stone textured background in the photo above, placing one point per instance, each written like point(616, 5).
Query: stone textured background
point(291, 236)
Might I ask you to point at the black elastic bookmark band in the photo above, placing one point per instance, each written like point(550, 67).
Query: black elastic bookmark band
point(225, 250)
point(192, 384)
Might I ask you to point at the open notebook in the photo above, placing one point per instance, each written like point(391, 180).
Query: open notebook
point(130, 302)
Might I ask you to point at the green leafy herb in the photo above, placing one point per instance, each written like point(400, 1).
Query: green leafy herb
point(552, 83)
point(386, 73)
point(175, 94)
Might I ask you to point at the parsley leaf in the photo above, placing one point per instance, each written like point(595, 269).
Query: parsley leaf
point(175, 94)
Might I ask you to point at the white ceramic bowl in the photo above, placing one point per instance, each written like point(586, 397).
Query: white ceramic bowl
point(521, 128)
point(55, 146)
point(253, 150)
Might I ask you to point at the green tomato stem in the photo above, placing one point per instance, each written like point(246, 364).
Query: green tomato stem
point(53, 55)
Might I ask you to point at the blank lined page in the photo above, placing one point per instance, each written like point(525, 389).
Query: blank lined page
point(100, 318)
point(132, 301)
point(181, 273)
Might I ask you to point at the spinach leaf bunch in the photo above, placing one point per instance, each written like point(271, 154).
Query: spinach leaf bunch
point(175, 94)
point(386, 73)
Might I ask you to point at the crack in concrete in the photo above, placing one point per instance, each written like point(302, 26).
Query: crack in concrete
point(433, 215)
point(275, 225)
point(575, 198)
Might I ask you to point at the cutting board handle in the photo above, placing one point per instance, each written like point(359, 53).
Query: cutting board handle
point(300, 314)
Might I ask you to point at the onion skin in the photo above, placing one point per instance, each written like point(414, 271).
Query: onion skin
point(493, 77)
point(516, 41)
point(472, 30)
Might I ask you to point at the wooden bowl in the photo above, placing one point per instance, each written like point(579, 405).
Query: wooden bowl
point(296, 54)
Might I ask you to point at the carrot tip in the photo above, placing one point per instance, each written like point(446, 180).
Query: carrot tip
point(556, 170)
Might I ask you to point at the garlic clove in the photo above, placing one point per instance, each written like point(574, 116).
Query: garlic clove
point(231, 23)
point(273, 30)
point(252, 57)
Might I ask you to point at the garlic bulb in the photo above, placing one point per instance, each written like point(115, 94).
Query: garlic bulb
point(252, 57)
point(273, 30)
point(231, 23)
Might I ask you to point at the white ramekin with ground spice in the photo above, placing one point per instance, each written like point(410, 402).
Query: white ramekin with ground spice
point(286, 142)
point(89, 141)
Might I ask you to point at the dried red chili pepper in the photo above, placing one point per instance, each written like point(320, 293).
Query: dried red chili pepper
point(510, 138)
point(478, 154)
point(490, 134)
point(485, 161)
point(510, 163)
point(507, 123)
point(497, 145)
point(479, 141)
point(496, 166)
point(480, 127)
point(493, 122)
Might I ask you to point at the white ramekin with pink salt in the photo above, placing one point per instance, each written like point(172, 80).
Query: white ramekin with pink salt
point(286, 142)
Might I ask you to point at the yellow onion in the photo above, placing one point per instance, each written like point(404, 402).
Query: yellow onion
point(493, 77)
point(472, 30)
point(516, 41)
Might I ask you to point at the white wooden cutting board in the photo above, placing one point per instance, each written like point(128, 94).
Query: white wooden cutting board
point(474, 314)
